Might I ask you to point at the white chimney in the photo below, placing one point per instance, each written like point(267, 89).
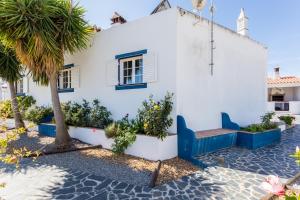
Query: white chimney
point(277, 72)
point(242, 23)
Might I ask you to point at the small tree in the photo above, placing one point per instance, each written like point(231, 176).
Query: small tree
point(10, 71)
point(42, 32)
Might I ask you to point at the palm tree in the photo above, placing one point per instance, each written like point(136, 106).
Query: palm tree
point(10, 71)
point(42, 32)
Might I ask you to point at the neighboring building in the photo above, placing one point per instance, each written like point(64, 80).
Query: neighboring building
point(168, 51)
point(284, 93)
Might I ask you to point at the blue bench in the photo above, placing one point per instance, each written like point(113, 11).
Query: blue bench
point(192, 144)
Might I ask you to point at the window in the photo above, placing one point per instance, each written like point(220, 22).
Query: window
point(131, 70)
point(64, 82)
point(20, 86)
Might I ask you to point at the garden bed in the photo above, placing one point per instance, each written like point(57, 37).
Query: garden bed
point(150, 148)
point(256, 140)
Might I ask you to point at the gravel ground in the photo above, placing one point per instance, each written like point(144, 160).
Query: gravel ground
point(32, 141)
point(77, 161)
point(101, 162)
point(80, 161)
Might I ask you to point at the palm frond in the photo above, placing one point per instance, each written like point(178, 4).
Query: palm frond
point(10, 67)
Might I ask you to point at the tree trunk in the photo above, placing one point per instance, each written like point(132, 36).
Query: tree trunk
point(15, 107)
point(62, 139)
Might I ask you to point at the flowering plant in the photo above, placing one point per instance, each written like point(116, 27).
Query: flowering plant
point(273, 185)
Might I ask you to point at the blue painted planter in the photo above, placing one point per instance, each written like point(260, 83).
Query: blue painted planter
point(257, 140)
point(47, 119)
point(47, 129)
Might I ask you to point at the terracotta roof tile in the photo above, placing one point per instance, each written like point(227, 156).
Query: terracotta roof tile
point(284, 80)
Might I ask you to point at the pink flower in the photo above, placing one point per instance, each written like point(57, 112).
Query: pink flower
point(273, 185)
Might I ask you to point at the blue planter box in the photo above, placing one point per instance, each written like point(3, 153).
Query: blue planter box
point(47, 129)
point(256, 140)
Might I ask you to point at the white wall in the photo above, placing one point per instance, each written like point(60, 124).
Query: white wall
point(289, 94)
point(4, 91)
point(238, 85)
point(297, 93)
point(295, 107)
point(156, 33)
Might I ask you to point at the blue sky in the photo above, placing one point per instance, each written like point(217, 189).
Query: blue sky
point(275, 23)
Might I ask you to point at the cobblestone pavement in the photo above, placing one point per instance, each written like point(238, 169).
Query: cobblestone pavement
point(239, 177)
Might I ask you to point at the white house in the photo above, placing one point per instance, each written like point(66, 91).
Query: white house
point(284, 93)
point(168, 51)
point(3, 91)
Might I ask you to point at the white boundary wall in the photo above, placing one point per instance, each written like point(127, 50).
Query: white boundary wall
point(150, 148)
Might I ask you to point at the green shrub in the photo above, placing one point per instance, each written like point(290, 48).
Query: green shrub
point(124, 139)
point(77, 114)
point(24, 103)
point(83, 115)
point(253, 128)
point(124, 134)
point(111, 130)
point(38, 113)
point(99, 116)
point(266, 124)
point(287, 119)
point(266, 119)
point(6, 109)
point(153, 119)
point(155, 116)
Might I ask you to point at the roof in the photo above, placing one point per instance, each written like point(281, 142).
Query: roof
point(284, 81)
point(163, 5)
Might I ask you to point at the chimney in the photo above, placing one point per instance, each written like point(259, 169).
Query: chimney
point(117, 19)
point(277, 72)
point(242, 23)
point(96, 29)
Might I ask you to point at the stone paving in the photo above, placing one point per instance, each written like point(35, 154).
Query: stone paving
point(238, 176)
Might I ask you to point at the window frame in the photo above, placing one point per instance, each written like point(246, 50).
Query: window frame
point(64, 82)
point(130, 55)
point(133, 74)
point(19, 87)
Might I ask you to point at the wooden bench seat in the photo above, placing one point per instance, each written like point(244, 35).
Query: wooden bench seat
point(212, 133)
